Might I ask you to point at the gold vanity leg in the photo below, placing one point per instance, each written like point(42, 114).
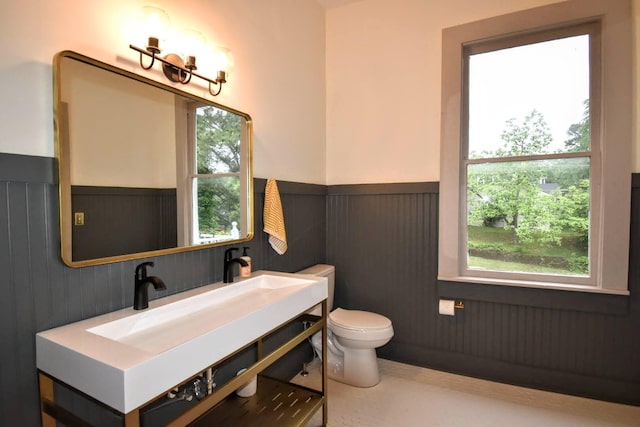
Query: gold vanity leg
point(132, 419)
point(325, 410)
point(46, 395)
point(259, 350)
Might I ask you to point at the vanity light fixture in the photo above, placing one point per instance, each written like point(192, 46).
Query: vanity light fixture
point(177, 68)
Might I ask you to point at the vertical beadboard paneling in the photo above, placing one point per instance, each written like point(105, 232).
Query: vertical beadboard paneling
point(39, 292)
point(380, 245)
point(384, 246)
point(19, 220)
point(305, 221)
point(38, 199)
point(27, 302)
point(8, 337)
point(124, 220)
point(383, 241)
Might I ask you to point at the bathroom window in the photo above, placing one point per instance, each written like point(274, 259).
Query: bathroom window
point(539, 185)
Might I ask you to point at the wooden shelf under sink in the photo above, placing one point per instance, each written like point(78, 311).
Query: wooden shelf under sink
point(276, 403)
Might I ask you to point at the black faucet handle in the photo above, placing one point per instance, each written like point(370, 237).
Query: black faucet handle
point(141, 269)
point(228, 254)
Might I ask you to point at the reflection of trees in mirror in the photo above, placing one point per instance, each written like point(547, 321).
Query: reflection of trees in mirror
point(218, 166)
point(533, 214)
point(218, 141)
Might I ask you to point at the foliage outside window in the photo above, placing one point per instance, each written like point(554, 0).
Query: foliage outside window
point(216, 210)
point(528, 196)
point(531, 196)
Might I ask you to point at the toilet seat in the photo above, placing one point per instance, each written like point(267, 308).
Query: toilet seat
point(360, 325)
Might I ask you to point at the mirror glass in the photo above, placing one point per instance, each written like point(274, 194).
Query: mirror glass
point(145, 169)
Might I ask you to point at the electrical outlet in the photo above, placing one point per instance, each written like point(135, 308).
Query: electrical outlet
point(78, 218)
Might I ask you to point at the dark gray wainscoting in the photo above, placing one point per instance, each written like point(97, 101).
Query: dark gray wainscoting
point(39, 292)
point(123, 220)
point(304, 210)
point(383, 240)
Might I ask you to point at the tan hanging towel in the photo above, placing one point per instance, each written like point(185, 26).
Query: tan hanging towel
point(273, 217)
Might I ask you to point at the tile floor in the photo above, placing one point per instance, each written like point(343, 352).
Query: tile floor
point(411, 396)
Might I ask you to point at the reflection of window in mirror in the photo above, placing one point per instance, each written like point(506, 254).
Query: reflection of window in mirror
point(214, 177)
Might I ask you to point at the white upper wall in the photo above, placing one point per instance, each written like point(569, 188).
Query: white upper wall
point(383, 85)
point(381, 114)
point(279, 76)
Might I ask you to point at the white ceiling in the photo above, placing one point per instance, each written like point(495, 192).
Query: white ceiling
point(330, 4)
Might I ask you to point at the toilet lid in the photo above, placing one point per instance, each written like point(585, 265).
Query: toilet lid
point(357, 319)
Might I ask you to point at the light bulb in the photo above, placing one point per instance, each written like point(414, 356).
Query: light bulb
point(154, 25)
point(223, 60)
point(192, 46)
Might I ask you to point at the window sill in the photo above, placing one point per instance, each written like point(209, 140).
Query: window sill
point(558, 297)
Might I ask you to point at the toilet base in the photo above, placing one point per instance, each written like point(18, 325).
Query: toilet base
point(361, 367)
point(356, 367)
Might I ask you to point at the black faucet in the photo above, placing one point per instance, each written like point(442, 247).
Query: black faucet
point(227, 274)
point(142, 281)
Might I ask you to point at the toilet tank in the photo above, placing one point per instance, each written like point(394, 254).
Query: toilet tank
point(324, 270)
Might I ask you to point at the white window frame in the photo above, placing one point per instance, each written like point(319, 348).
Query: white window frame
point(613, 84)
point(188, 227)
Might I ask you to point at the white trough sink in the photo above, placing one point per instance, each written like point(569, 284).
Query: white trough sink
point(126, 358)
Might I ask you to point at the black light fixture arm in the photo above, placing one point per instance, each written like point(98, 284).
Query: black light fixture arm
point(152, 49)
point(153, 60)
point(175, 70)
point(218, 82)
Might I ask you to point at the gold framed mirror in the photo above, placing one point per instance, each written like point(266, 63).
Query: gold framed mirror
point(145, 169)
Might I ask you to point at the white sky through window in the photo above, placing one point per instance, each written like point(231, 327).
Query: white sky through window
point(551, 77)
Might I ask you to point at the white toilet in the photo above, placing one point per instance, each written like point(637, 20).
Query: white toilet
point(353, 337)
